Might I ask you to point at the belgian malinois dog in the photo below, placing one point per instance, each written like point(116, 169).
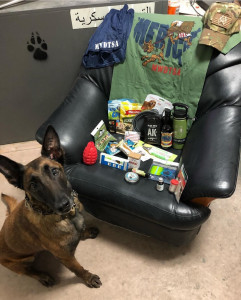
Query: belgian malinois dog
point(49, 218)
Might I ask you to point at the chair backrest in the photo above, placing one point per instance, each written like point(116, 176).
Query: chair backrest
point(223, 83)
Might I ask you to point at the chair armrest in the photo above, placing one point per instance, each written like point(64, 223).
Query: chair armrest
point(83, 108)
point(211, 154)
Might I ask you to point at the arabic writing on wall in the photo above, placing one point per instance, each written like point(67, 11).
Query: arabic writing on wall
point(92, 17)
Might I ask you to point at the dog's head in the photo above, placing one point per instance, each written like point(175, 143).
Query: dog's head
point(43, 179)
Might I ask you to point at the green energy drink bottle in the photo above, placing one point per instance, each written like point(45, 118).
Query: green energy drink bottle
point(179, 125)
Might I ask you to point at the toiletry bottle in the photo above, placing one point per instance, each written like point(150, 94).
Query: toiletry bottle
point(160, 185)
point(166, 130)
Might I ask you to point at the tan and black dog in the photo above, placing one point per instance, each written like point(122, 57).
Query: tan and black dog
point(48, 219)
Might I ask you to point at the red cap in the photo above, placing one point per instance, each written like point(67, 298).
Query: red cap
point(174, 181)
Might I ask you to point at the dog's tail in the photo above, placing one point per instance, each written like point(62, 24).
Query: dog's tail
point(10, 202)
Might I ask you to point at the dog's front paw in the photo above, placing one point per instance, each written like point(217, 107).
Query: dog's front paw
point(93, 232)
point(89, 233)
point(46, 280)
point(93, 281)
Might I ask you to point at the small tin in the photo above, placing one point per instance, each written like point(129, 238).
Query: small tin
point(131, 177)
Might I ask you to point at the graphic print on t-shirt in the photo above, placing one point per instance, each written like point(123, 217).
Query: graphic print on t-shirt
point(170, 41)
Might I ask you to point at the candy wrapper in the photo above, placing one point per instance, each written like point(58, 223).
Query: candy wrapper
point(112, 148)
point(124, 147)
point(133, 136)
point(101, 136)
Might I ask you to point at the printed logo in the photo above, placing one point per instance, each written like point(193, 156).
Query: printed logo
point(104, 45)
point(222, 20)
point(162, 41)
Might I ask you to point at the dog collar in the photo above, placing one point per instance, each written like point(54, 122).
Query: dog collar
point(43, 212)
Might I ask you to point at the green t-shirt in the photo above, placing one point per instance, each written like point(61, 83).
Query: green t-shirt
point(233, 41)
point(163, 57)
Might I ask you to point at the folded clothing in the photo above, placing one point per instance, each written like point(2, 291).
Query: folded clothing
point(108, 44)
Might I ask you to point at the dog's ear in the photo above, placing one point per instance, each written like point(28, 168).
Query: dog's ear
point(12, 170)
point(51, 146)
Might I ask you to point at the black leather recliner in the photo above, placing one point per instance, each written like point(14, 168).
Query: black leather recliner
point(210, 155)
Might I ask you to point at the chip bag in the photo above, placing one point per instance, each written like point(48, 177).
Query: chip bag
point(114, 112)
point(114, 108)
point(127, 113)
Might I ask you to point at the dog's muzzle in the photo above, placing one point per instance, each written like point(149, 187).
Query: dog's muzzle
point(66, 209)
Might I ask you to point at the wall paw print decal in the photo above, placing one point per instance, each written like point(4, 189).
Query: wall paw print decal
point(37, 46)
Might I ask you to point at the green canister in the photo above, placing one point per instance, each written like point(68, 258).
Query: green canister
point(179, 125)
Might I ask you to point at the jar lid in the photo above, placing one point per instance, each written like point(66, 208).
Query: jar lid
point(180, 113)
point(160, 179)
point(174, 182)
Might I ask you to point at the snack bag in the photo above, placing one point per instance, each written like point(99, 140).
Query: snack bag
point(101, 136)
point(114, 112)
point(156, 102)
point(127, 113)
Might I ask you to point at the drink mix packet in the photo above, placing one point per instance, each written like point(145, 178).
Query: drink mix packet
point(101, 136)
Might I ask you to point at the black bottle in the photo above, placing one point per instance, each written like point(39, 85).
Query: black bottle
point(166, 130)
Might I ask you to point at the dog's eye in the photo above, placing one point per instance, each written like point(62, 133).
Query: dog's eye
point(55, 171)
point(33, 186)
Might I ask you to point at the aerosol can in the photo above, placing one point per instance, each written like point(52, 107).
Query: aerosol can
point(179, 125)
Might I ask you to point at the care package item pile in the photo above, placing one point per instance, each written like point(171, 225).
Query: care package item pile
point(161, 165)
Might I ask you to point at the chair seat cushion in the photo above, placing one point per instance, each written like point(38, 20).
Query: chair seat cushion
point(108, 187)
